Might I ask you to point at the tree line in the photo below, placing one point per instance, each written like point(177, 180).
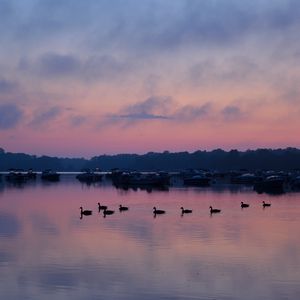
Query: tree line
point(259, 159)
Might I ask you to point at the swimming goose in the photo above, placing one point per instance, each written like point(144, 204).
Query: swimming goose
point(123, 208)
point(85, 212)
point(266, 204)
point(108, 212)
point(243, 205)
point(214, 210)
point(101, 207)
point(185, 211)
point(158, 211)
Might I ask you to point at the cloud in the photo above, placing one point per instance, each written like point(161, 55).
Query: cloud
point(140, 116)
point(153, 108)
point(100, 40)
point(103, 67)
point(53, 65)
point(235, 69)
point(151, 104)
point(7, 86)
point(6, 10)
point(46, 116)
point(231, 113)
point(146, 25)
point(162, 108)
point(10, 116)
point(193, 23)
point(151, 47)
point(201, 72)
point(287, 89)
point(189, 113)
point(56, 66)
point(241, 68)
point(77, 120)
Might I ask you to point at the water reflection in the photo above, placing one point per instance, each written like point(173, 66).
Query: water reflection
point(6, 257)
point(42, 224)
point(9, 225)
point(47, 252)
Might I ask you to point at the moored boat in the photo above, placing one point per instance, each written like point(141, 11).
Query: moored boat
point(136, 179)
point(50, 175)
point(271, 184)
point(15, 177)
point(197, 180)
point(30, 174)
point(89, 177)
point(247, 178)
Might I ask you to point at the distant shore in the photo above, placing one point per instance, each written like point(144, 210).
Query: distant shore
point(252, 160)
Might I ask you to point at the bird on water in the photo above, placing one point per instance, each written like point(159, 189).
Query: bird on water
point(101, 207)
point(185, 211)
point(123, 208)
point(244, 205)
point(108, 212)
point(85, 212)
point(214, 210)
point(158, 211)
point(266, 204)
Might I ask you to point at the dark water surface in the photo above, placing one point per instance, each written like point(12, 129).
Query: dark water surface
point(48, 252)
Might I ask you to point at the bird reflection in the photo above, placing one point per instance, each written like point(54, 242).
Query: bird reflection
point(107, 212)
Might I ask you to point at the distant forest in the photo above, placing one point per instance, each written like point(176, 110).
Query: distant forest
point(260, 159)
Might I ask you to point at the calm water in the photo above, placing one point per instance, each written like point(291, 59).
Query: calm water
point(48, 252)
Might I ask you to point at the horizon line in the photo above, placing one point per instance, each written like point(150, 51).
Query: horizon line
point(150, 152)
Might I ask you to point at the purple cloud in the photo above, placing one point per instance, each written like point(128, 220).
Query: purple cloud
point(153, 108)
point(189, 113)
point(162, 108)
point(78, 120)
point(57, 66)
point(45, 116)
point(10, 116)
point(53, 65)
point(7, 86)
point(231, 113)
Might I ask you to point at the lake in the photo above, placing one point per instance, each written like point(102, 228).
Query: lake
point(48, 252)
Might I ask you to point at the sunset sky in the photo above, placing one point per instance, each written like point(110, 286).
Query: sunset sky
point(90, 77)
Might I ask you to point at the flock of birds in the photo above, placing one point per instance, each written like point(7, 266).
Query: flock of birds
point(103, 208)
point(156, 211)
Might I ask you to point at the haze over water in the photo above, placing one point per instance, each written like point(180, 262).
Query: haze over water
point(48, 252)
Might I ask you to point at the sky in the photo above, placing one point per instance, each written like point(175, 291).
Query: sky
point(89, 77)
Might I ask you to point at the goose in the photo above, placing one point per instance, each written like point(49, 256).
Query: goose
point(266, 204)
point(85, 212)
point(243, 205)
point(123, 208)
point(158, 211)
point(214, 210)
point(185, 211)
point(108, 212)
point(101, 207)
